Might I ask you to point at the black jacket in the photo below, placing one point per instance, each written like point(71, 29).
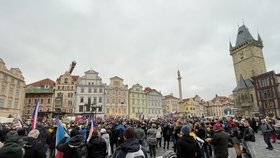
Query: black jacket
point(69, 149)
point(188, 147)
point(220, 143)
point(34, 148)
point(129, 146)
point(97, 147)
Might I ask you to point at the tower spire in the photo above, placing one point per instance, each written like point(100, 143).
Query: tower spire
point(180, 85)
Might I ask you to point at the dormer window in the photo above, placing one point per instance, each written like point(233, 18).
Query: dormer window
point(240, 32)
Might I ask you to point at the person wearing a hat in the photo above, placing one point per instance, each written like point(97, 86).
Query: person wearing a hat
point(106, 137)
point(34, 147)
point(11, 150)
point(187, 146)
point(220, 141)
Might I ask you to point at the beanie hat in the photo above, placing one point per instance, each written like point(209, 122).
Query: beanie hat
point(11, 149)
point(103, 130)
point(34, 133)
point(186, 130)
point(74, 132)
point(169, 154)
point(218, 127)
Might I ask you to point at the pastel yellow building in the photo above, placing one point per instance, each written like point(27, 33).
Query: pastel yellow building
point(117, 97)
point(137, 102)
point(187, 107)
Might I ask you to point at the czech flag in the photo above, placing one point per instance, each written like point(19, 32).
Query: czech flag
point(91, 129)
point(35, 115)
point(171, 114)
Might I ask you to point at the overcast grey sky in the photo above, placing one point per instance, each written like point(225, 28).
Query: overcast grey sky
point(141, 41)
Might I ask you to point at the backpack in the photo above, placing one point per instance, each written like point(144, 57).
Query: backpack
point(138, 154)
point(82, 151)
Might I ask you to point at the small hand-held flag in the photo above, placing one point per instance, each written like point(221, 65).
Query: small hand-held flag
point(91, 129)
point(35, 115)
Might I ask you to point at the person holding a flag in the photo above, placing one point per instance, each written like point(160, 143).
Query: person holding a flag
point(96, 146)
point(75, 147)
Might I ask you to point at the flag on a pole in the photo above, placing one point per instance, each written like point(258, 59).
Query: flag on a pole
point(91, 129)
point(35, 115)
point(60, 132)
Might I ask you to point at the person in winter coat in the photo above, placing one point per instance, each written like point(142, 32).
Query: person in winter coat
point(166, 135)
point(152, 140)
point(140, 134)
point(266, 130)
point(34, 147)
point(106, 137)
point(75, 147)
point(248, 139)
point(220, 142)
point(235, 136)
point(177, 130)
point(12, 135)
point(187, 146)
point(130, 147)
point(120, 130)
point(96, 146)
point(51, 140)
point(158, 136)
point(11, 150)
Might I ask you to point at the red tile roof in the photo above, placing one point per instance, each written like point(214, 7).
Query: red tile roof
point(147, 90)
point(43, 82)
point(75, 78)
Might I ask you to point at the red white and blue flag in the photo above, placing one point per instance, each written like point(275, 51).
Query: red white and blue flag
point(35, 115)
point(91, 129)
point(171, 114)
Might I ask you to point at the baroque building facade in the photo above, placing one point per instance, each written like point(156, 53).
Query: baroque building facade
point(117, 98)
point(267, 88)
point(169, 104)
point(137, 102)
point(154, 103)
point(90, 94)
point(200, 106)
point(11, 90)
point(41, 91)
point(65, 91)
point(187, 107)
point(219, 106)
point(248, 61)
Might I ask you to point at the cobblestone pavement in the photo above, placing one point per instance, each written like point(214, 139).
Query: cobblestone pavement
point(259, 148)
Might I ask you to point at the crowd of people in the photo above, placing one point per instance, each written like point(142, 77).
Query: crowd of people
point(191, 137)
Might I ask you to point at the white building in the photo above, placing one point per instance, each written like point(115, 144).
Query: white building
point(154, 103)
point(90, 94)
